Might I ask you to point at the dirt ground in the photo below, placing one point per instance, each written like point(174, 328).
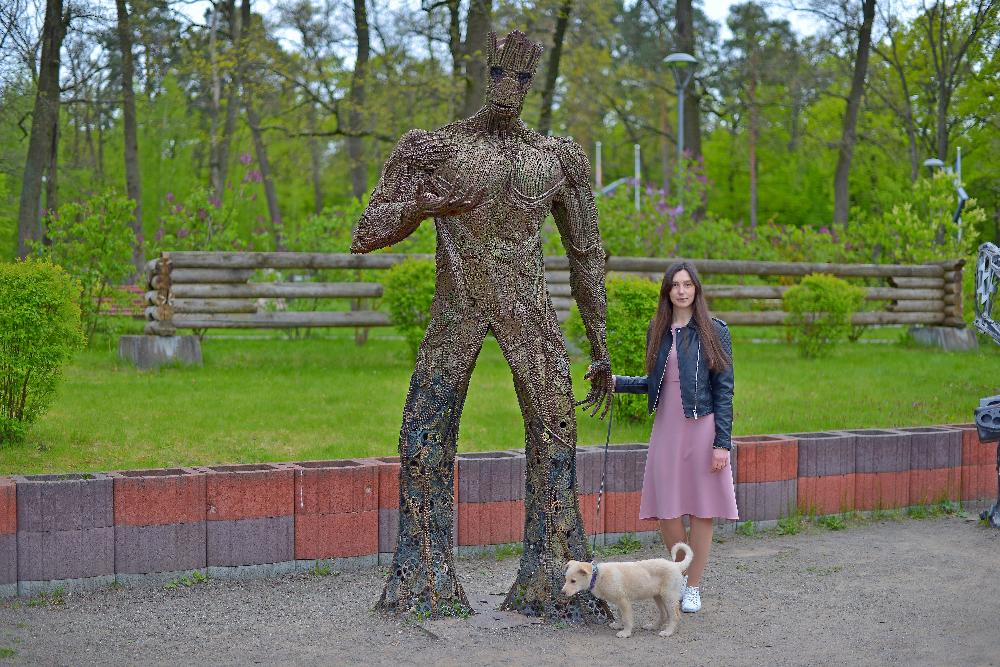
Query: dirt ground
point(896, 592)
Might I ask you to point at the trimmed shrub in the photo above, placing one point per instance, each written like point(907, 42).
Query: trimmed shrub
point(93, 240)
point(409, 291)
point(631, 306)
point(819, 312)
point(39, 332)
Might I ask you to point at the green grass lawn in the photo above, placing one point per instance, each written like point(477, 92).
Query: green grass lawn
point(284, 400)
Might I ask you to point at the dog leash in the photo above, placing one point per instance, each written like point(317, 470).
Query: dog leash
point(604, 476)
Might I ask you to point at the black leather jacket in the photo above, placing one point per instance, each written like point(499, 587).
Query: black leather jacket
point(703, 391)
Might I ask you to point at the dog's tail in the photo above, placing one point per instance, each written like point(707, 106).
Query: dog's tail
point(688, 555)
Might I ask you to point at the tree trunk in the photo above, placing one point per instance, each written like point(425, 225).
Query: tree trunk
point(552, 71)
point(132, 183)
point(253, 120)
point(753, 112)
point(316, 162)
point(841, 179)
point(214, 168)
point(474, 54)
point(44, 126)
point(684, 35)
point(233, 103)
point(355, 144)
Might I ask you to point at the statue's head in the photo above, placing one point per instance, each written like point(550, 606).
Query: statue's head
point(511, 63)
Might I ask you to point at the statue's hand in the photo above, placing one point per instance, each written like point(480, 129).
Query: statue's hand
point(427, 150)
point(444, 195)
point(602, 387)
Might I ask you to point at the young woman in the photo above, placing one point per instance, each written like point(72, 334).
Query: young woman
point(689, 381)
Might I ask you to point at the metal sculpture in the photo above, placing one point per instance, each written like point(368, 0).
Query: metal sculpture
point(489, 182)
point(987, 415)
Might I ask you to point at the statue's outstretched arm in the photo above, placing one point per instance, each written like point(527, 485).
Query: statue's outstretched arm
point(409, 191)
point(575, 214)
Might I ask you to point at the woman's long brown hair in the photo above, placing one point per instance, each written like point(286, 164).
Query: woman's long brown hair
point(716, 356)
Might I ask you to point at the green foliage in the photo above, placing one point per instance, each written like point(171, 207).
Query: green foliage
point(93, 241)
point(819, 312)
point(204, 222)
point(631, 306)
point(832, 522)
point(626, 544)
point(408, 293)
point(329, 231)
point(790, 525)
point(39, 332)
point(746, 529)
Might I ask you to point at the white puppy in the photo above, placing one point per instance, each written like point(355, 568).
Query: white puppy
point(621, 583)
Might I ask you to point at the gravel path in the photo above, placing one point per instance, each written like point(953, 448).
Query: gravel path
point(903, 592)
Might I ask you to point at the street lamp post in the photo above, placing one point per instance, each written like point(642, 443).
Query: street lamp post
point(682, 66)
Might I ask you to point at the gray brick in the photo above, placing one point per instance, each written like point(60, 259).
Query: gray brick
point(167, 548)
point(250, 541)
point(8, 559)
point(625, 465)
point(881, 450)
point(65, 554)
point(766, 501)
point(825, 453)
point(388, 530)
point(64, 502)
point(933, 448)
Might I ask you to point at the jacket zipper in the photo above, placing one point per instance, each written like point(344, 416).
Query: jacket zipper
point(656, 403)
point(696, 365)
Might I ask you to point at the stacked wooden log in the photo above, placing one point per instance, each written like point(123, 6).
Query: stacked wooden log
point(207, 290)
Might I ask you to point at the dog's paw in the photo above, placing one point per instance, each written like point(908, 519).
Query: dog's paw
point(624, 634)
point(666, 633)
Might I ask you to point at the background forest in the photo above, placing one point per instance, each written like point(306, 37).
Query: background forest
point(260, 125)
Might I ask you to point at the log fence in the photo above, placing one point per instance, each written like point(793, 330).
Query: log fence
point(207, 290)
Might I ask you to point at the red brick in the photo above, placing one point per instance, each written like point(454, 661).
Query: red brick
point(158, 497)
point(979, 482)
point(336, 487)
point(502, 517)
point(975, 452)
point(623, 513)
point(593, 524)
point(388, 482)
point(336, 535)
point(830, 494)
point(473, 524)
point(881, 490)
point(8, 506)
point(249, 492)
point(771, 460)
point(935, 485)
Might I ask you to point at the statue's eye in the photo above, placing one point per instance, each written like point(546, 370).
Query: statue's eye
point(496, 73)
point(524, 78)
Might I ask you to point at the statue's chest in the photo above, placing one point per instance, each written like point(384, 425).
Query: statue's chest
point(517, 177)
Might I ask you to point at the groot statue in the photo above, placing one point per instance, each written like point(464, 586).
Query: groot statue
point(489, 182)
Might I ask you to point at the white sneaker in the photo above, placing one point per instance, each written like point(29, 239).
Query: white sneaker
point(692, 599)
point(683, 589)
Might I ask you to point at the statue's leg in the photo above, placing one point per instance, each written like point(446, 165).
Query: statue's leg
point(422, 577)
point(553, 525)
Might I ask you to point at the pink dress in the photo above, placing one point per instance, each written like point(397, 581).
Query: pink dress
point(678, 479)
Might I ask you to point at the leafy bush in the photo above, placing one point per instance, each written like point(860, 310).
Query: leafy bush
point(204, 222)
point(408, 292)
point(39, 332)
point(631, 305)
point(93, 241)
point(819, 312)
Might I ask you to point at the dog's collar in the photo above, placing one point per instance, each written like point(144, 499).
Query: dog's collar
point(593, 577)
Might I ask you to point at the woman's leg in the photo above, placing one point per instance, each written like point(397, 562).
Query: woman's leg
point(672, 531)
point(701, 543)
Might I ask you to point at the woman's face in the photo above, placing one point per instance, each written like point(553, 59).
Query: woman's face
point(682, 290)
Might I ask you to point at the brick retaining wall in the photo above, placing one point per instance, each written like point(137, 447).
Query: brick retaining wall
point(149, 526)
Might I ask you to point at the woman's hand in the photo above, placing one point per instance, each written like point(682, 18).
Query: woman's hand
point(720, 459)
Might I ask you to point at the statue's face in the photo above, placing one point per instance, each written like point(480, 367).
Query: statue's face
point(506, 90)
